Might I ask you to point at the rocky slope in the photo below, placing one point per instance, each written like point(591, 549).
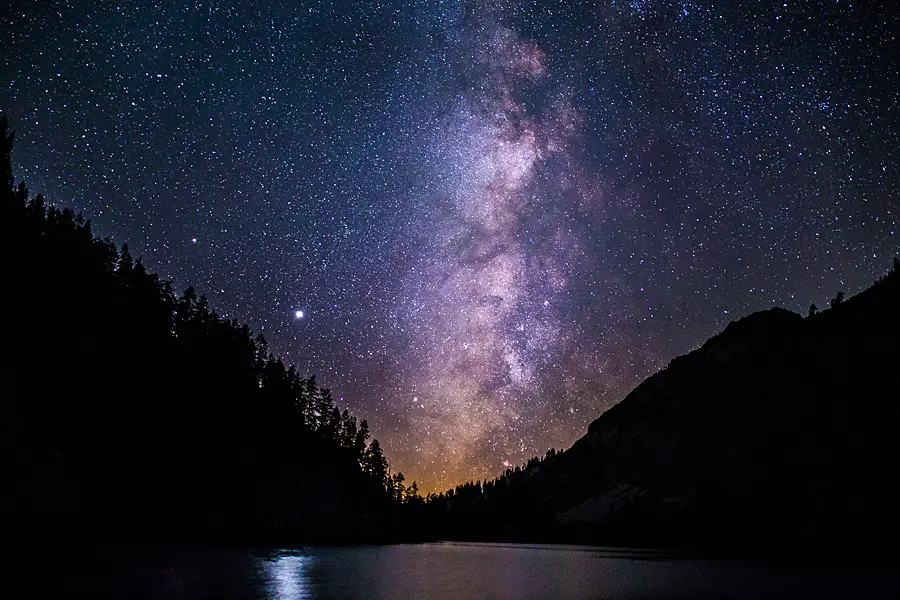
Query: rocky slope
point(781, 429)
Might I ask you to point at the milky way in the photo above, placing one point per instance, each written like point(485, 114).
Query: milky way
point(482, 299)
point(495, 218)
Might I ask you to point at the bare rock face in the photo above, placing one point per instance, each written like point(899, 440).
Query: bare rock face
point(602, 508)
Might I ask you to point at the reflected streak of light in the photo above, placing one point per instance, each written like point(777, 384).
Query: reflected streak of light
point(287, 577)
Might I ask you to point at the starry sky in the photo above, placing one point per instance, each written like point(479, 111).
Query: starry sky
point(495, 217)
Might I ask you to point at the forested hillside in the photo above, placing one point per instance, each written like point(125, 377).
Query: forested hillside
point(127, 412)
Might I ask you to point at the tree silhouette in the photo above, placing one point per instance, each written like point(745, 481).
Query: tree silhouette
point(412, 494)
point(398, 489)
point(135, 414)
point(837, 300)
point(376, 465)
point(360, 441)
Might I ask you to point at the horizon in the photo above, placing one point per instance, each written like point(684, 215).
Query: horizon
point(479, 233)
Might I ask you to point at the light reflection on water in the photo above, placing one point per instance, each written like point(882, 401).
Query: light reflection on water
point(287, 577)
point(431, 571)
point(545, 572)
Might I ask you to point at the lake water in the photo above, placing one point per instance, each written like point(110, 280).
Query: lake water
point(438, 571)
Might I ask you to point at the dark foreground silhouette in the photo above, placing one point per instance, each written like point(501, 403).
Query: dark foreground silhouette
point(779, 435)
point(129, 414)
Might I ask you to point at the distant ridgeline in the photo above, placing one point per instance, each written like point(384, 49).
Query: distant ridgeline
point(128, 413)
point(779, 435)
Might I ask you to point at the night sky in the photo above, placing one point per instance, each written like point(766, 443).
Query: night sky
point(495, 217)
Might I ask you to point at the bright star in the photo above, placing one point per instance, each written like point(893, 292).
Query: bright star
point(298, 314)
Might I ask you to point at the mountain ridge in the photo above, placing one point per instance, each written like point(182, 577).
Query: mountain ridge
point(776, 428)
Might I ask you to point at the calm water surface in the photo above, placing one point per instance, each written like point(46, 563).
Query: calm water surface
point(447, 570)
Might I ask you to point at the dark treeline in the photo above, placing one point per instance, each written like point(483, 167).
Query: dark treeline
point(493, 509)
point(129, 413)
